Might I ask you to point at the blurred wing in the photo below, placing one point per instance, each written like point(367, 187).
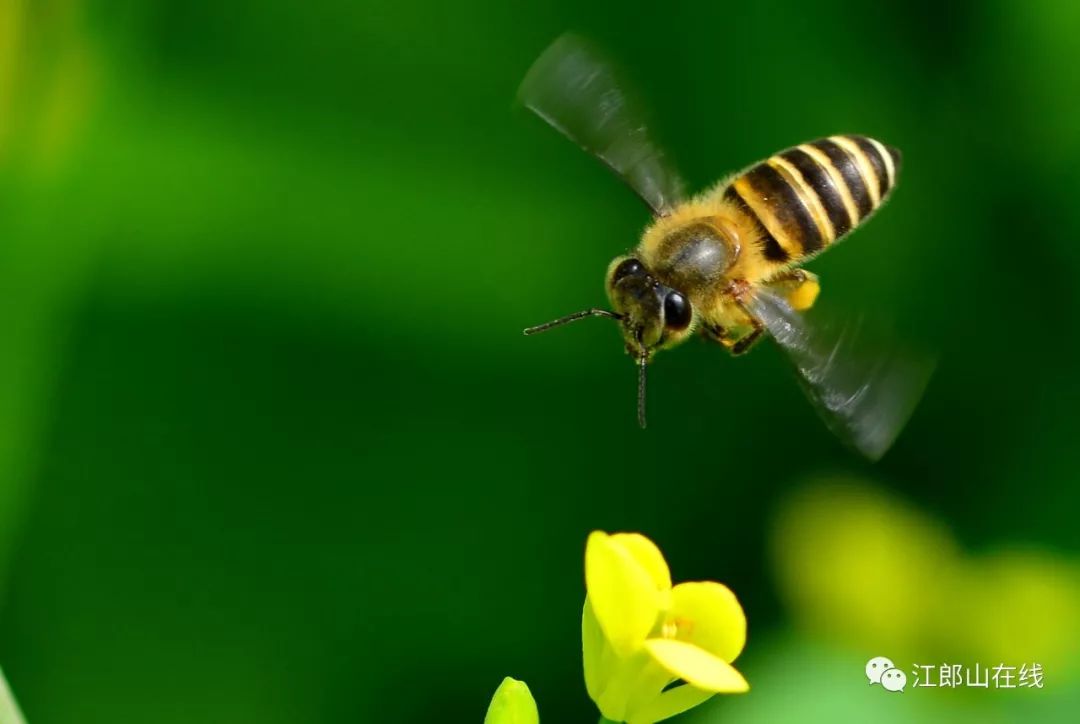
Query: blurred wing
point(865, 391)
point(573, 88)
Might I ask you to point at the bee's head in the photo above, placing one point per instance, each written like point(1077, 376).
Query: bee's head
point(652, 316)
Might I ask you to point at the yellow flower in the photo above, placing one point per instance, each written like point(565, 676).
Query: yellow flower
point(639, 634)
point(512, 704)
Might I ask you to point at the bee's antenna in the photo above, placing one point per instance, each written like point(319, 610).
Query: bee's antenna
point(572, 318)
point(643, 362)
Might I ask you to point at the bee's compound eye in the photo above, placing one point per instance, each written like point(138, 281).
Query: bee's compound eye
point(676, 311)
point(630, 267)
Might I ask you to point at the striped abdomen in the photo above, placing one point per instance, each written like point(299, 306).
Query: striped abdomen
point(807, 197)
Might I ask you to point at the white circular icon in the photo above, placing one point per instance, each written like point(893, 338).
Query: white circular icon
point(894, 680)
point(877, 666)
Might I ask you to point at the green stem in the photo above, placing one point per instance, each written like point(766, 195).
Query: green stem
point(9, 710)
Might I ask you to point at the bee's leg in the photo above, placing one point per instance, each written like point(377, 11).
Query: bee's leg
point(748, 340)
point(798, 286)
point(730, 323)
point(714, 332)
point(737, 341)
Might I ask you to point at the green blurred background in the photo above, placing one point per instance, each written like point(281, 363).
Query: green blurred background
point(273, 447)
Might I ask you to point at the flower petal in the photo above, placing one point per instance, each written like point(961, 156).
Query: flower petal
point(708, 615)
point(630, 676)
point(512, 704)
point(671, 702)
point(650, 683)
point(621, 592)
point(696, 666)
point(593, 649)
point(647, 555)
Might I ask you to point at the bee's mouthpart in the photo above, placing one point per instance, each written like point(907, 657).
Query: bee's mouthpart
point(643, 364)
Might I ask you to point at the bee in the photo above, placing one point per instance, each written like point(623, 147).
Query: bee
point(727, 263)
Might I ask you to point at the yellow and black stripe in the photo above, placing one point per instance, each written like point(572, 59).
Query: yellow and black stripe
point(807, 197)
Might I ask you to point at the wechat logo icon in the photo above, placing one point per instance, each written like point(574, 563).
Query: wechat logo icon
point(880, 670)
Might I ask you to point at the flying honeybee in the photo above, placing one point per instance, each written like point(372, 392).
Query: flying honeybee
point(726, 263)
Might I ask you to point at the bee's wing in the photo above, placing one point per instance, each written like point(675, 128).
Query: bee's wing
point(573, 87)
point(864, 389)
